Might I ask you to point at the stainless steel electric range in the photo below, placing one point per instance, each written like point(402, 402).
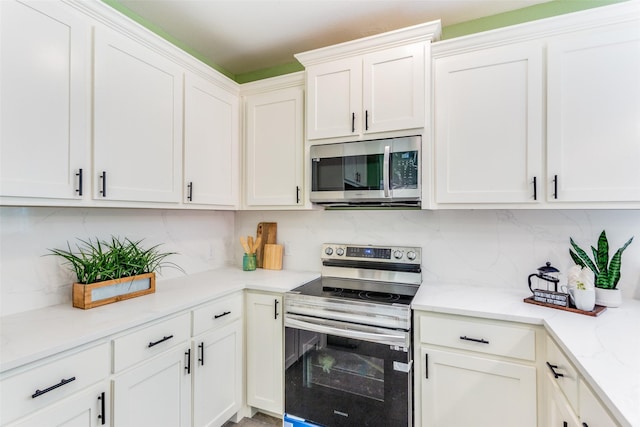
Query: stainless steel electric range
point(348, 339)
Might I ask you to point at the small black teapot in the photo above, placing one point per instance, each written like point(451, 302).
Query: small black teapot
point(547, 273)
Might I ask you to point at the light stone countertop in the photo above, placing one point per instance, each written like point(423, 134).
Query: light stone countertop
point(604, 349)
point(30, 336)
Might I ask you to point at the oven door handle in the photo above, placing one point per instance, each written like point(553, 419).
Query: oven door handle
point(385, 171)
point(398, 339)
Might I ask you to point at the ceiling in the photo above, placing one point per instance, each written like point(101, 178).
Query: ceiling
point(242, 36)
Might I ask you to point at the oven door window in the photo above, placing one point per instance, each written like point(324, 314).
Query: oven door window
point(348, 173)
point(337, 381)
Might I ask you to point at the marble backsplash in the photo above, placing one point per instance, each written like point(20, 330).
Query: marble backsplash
point(29, 280)
point(498, 248)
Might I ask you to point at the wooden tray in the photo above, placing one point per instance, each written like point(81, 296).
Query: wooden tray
point(597, 310)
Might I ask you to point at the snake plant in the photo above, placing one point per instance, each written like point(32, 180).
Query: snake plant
point(607, 272)
point(96, 261)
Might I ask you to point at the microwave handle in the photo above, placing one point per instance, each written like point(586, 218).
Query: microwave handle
point(385, 171)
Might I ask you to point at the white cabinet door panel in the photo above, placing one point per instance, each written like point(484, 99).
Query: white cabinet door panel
point(137, 121)
point(393, 88)
point(44, 96)
point(593, 117)
point(488, 125)
point(211, 141)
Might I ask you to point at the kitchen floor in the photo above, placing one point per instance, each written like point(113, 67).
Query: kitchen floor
point(258, 420)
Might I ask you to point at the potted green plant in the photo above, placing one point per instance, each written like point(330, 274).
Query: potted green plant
point(605, 270)
point(110, 271)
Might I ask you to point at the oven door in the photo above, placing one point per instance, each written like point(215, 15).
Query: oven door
point(336, 378)
point(382, 170)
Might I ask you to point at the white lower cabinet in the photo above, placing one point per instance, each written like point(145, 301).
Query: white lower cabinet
point(265, 364)
point(470, 371)
point(217, 359)
point(570, 401)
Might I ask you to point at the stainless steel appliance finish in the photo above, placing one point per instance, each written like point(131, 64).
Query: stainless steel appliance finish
point(348, 338)
point(381, 172)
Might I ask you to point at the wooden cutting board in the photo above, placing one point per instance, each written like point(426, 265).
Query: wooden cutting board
point(272, 257)
point(268, 231)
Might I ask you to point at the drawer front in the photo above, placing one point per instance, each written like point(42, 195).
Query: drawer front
point(479, 336)
point(562, 372)
point(144, 343)
point(47, 383)
point(217, 313)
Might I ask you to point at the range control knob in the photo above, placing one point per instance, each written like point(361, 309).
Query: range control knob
point(339, 251)
point(411, 255)
point(328, 251)
point(397, 254)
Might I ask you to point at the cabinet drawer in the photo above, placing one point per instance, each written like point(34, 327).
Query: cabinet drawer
point(42, 385)
point(567, 376)
point(147, 342)
point(217, 313)
point(479, 336)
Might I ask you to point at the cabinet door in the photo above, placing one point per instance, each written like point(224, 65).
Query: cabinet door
point(488, 125)
point(592, 412)
point(44, 90)
point(137, 121)
point(274, 148)
point(217, 380)
point(265, 371)
point(211, 144)
point(394, 88)
point(89, 408)
point(156, 393)
point(461, 390)
point(592, 117)
point(558, 411)
point(334, 104)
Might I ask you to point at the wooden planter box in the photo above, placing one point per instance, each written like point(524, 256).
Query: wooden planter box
point(101, 293)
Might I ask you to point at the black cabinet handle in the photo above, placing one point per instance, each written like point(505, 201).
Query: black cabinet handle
point(553, 370)
point(165, 338)
point(366, 119)
point(103, 177)
point(79, 189)
point(555, 186)
point(275, 310)
point(217, 316)
point(188, 365)
point(481, 341)
point(297, 194)
point(53, 387)
point(190, 191)
point(585, 425)
point(565, 424)
point(201, 358)
point(535, 188)
point(353, 122)
point(102, 415)
point(426, 366)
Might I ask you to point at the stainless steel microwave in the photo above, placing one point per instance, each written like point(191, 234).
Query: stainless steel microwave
point(380, 172)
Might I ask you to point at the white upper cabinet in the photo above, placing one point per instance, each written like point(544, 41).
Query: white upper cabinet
point(489, 125)
point(44, 97)
point(273, 147)
point(593, 116)
point(211, 144)
point(370, 85)
point(137, 121)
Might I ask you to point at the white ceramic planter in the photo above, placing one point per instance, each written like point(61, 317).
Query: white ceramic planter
point(608, 297)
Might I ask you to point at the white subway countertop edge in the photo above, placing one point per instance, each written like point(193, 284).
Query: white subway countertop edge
point(34, 335)
point(604, 349)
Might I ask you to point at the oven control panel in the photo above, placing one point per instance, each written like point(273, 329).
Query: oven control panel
point(402, 254)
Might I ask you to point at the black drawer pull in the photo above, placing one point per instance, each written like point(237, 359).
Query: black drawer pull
point(151, 344)
point(482, 341)
point(53, 387)
point(79, 175)
point(217, 316)
point(201, 358)
point(188, 363)
point(102, 416)
point(553, 370)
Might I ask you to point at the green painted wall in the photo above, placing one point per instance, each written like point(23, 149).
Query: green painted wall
point(531, 13)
